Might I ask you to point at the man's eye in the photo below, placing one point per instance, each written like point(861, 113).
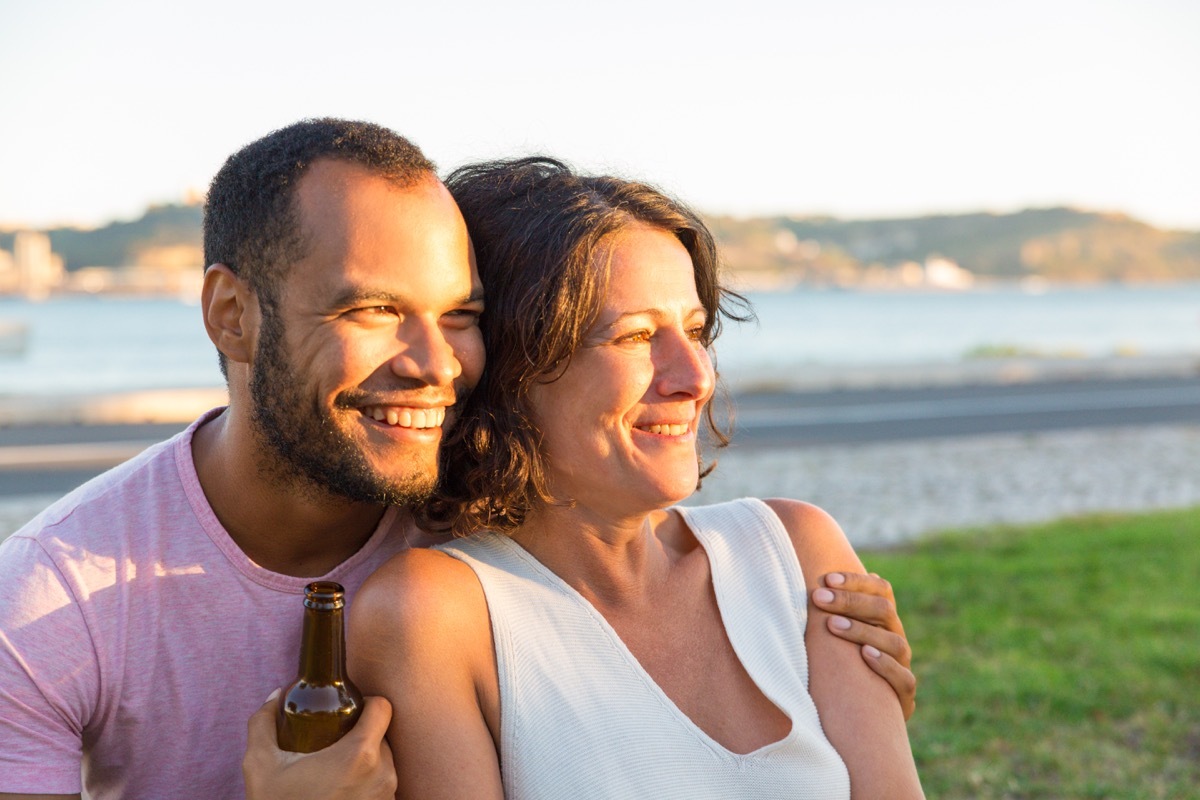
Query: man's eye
point(371, 312)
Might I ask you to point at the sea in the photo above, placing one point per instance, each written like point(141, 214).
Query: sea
point(93, 344)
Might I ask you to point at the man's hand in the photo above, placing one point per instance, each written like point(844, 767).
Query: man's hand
point(864, 610)
point(357, 767)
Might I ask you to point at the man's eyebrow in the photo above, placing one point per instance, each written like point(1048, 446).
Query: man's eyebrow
point(354, 296)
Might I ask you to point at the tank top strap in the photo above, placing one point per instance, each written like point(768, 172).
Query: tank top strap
point(761, 593)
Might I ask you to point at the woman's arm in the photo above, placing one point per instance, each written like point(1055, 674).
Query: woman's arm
point(419, 635)
point(863, 610)
point(858, 711)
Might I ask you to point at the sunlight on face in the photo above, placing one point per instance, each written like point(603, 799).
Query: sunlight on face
point(620, 425)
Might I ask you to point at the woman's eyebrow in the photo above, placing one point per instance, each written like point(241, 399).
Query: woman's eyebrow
point(650, 312)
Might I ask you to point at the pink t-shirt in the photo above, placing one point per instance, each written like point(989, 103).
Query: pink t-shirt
point(136, 639)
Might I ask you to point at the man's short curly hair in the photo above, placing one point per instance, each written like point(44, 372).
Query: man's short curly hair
point(542, 235)
point(251, 222)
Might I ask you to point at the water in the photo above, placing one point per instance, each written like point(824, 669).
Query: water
point(96, 344)
point(78, 345)
point(830, 328)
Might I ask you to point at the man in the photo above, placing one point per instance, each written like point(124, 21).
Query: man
point(151, 611)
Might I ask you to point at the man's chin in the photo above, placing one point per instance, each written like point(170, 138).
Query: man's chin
point(409, 488)
point(380, 492)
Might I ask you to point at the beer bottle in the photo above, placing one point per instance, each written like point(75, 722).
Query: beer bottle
point(322, 705)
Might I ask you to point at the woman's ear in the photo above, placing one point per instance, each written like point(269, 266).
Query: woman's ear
point(230, 313)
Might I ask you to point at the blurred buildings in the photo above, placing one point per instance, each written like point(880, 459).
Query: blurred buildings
point(33, 270)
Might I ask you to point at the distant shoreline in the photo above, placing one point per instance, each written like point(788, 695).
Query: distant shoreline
point(980, 371)
point(111, 408)
point(182, 405)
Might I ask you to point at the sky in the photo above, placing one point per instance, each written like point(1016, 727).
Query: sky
point(851, 108)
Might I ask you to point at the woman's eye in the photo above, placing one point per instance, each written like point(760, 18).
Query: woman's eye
point(464, 317)
point(696, 334)
point(635, 337)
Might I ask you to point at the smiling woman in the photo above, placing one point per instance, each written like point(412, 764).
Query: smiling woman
point(656, 651)
point(637, 385)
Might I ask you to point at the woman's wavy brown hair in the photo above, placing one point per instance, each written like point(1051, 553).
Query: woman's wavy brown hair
point(542, 236)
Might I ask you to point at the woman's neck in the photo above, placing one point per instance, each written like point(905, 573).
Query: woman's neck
point(614, 563)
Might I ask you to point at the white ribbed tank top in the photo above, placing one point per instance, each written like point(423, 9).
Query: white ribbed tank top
point(580, 718)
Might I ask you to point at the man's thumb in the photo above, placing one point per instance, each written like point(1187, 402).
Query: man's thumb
point(262, 721)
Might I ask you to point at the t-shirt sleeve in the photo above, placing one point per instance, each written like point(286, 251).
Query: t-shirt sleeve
point(49, 675)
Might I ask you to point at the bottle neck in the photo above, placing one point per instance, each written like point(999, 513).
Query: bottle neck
point(323, 649)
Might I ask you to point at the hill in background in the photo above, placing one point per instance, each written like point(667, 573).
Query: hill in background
point(1056, 244)
point(167, 236)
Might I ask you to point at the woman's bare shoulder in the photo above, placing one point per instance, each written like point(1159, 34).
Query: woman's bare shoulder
point(819, 541)
point(797, 514)
point(420, 636)
point(419, 592)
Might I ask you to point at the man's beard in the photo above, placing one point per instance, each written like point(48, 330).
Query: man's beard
point(313, 451)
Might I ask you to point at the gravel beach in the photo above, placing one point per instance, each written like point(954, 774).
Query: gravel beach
point(883, 494)
point(889, 493)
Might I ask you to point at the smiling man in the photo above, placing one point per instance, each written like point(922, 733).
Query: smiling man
point(151, 611)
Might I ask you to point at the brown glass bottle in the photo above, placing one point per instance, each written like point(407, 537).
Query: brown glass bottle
point(322, 705)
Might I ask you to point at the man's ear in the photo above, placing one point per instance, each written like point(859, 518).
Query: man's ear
point(230, 313)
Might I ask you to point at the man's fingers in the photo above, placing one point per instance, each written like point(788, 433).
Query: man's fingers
point(893, 644)
point(866, 607)
point(366, 745)
point(902, 679)
point(857, 582)
point(373, 724)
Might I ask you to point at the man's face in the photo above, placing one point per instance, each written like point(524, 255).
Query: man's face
point(373, 338)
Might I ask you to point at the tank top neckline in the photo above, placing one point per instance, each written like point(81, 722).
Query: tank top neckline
point(547, 575)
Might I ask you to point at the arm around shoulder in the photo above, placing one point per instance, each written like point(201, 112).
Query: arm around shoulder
point(420, 636)
point(858, 710)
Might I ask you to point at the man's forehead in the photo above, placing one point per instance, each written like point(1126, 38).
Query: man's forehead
point(365, 237)
point(335, 179)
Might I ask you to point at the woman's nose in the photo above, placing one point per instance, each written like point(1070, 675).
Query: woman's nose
point(685, 368)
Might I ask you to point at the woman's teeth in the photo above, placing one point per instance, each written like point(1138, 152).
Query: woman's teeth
point(665, 430)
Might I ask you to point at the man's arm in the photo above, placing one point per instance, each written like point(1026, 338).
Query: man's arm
point(864, 612)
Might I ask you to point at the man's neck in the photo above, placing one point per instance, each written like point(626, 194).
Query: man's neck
point(297, 530)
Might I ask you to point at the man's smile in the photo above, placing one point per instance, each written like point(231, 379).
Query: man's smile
point(407, 416)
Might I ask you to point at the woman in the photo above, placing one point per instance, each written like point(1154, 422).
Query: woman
point(596, 640)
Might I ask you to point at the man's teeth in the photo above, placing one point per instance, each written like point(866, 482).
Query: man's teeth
point(666, 430)
point(407, 417)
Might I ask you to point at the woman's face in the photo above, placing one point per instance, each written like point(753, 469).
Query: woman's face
point(620, 425)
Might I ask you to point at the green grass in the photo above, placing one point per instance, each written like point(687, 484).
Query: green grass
point(1056, 661)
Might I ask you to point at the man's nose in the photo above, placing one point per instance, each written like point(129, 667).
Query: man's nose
point(425, 354)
